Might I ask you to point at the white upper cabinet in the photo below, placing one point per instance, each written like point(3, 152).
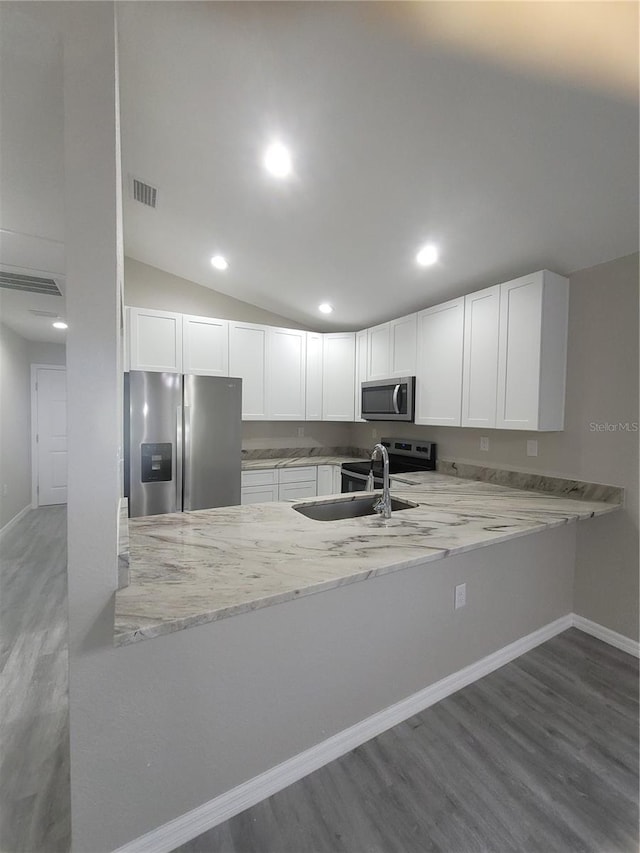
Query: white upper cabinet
point(286, 374)
point(155, 340)
point(439, 364)
point(402, 346)
point(480, 373)
point(248, 359)
point(205, 346)
point(314, 376)
point(338, 376)
point(532, 352)
point(379, 351)
point(361, 370)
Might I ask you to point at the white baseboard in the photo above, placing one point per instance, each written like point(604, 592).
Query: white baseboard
point(192, 824)
point(16, 518)
point(626, 644)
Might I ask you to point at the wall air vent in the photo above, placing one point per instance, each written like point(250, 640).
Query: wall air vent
point(144, 193)
point(29, 283)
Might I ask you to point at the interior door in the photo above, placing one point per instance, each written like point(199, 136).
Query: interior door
point(51, 435)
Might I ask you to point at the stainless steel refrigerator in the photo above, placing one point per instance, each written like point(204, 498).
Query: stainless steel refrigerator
point(184, 442)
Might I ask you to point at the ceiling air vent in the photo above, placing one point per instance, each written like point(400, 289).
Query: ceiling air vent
point(36, 313)
point(145, 193)
point(29, 283)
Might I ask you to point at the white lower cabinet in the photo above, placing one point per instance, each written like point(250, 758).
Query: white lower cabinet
point(439, 364)
point(258, 494)
point(297, 483)
point(259, 486)
point(279, 484)
point(329, 480)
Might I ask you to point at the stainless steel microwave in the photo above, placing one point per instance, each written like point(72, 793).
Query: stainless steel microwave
point(389, 399)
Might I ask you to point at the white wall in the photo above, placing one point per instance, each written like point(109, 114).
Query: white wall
point(15, 424)
point(148, 287)
point(602, 387)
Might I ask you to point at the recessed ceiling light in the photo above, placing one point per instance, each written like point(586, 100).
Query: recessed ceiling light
point(219, 262)
point(325, 308)
point(427, 255)
point(277, 160)
point(59, 325)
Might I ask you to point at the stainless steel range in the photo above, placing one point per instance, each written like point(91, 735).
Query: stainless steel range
point(405, 455)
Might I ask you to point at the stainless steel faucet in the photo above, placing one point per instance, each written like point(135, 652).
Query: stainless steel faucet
point(383, 505)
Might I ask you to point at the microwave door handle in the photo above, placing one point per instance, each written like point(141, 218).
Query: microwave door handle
point(396, 392)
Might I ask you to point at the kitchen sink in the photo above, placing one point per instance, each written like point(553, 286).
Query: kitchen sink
point(347, 507)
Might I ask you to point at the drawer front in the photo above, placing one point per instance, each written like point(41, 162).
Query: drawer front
point(268, 477)
point(298, 475)
point(296, 491)
point(258, 494)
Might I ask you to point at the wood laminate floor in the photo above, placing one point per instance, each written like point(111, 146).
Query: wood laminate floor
point(34, 710)
point(539, 756)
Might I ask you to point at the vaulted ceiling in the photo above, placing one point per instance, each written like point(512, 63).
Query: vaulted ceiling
point(506, 134)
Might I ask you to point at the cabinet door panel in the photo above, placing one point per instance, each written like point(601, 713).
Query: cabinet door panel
point(378, 352)
point(325, 479)
point(155, 340)
point(248, 359)
point(338, 375)
point(205, 343)
point(403, 346)
point(519, 353)
point(480, 376)
point(361, 371)
point(295, 491)
point(258, 494)
point(439, 365)
point(286, 374)
point(314, 377)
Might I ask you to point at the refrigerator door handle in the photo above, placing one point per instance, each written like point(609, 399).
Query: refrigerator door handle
point(179, 456)
point(186, 484)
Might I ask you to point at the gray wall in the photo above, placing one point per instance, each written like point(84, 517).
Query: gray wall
point(148, 287)
point(15, 424)
point(257, 435)
point(602, 387)
point(41, 352)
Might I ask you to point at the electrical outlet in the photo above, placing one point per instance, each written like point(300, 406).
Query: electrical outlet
point(460, 598)
point(374, 433)
point(300, 432)
point(5, 490)
point(484, 442)
point(532, 448)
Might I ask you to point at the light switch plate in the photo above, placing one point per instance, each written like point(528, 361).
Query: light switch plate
point(532, 447)
point(484, 442)
point(460, 598)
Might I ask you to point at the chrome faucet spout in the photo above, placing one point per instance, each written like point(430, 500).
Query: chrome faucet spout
point(383, 506)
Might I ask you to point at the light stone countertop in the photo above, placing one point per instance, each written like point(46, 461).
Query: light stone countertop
point(191, 568)
point(297, 462)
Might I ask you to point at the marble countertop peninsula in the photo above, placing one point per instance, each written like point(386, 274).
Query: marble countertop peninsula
point(191, 568)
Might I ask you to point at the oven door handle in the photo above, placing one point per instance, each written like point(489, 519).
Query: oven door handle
point(396, 394)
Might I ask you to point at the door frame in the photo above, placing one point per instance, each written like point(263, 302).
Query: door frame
point(34, 426)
